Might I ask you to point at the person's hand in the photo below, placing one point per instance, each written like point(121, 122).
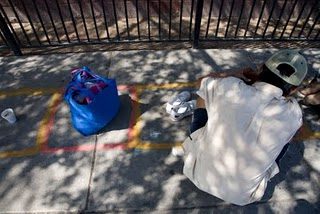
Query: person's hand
point(312, 93)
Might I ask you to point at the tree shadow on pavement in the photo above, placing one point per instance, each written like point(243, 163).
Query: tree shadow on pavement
point(121, 180)
point(292, 157)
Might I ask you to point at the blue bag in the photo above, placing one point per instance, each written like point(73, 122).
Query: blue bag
point(91, 117)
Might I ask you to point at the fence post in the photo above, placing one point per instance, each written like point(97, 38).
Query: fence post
point(13, 45)
point(197, 23)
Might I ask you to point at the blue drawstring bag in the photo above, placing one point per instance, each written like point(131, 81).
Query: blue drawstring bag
point(91, 108)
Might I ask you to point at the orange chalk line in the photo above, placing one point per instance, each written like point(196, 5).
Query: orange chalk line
point(48, 122)
point(137, 143)
point(19, 153)
point(27, 91)
point(133, 132)
point(34, 92)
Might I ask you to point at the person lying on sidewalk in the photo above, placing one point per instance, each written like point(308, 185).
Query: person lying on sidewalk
point(241, 128)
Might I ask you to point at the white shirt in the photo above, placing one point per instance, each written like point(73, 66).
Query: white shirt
point(233, 156)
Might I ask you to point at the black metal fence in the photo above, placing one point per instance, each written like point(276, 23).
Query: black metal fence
point(46, 23)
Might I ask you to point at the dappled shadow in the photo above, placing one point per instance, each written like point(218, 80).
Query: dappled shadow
point(293, 157)
point(122, 119)
point(133, 180)
point(23, 134)
point(174, 66)
point(49, 71)
point(44, 181)
point(312, 116)
point(149, 180)
point(37, 182)
point(157, 126)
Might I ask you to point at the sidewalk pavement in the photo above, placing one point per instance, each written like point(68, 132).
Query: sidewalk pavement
point(46, 166)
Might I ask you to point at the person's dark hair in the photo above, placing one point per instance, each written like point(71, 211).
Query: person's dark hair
point(269, 77)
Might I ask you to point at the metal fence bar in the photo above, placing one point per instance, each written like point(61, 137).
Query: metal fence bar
point(30, 21)
point(52, 22)
point(314, 24)
point(260, 16)
point(41, 22)
point(9, 37)
point(148, 11)
point(270, 16)
point(197, 23)
point(159, 21)
point(19, 21)
point(170, 14)
point(232, 5)
point(219, 18)
point(180, 24)
point(238, 24)
point(191, 16)
point(317, 36)
point(249, 19)
point(209, 19)
point(280, 16)
point(127, 21)
point(116, 19)
point(138, 21)
point(10, 25)
point(289, 17)
point(105, 19)
point(94, 20)
point(3, 39)
point(83, 20)
point(73, 21)
point(307, 19)
point(230, 25)
point(62, 21)
point(300, 14)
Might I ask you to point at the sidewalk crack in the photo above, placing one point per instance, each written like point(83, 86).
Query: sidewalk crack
point(91, 173)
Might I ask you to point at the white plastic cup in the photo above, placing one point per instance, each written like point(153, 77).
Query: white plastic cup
point(9, 115)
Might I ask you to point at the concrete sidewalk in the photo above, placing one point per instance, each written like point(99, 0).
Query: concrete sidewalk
point(48, 167)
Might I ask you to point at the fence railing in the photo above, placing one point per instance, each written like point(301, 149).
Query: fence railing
point(45, 23)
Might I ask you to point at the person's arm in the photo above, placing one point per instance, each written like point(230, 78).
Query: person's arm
point(245, 74)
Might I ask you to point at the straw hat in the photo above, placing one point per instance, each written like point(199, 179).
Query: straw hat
point(288, 58)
